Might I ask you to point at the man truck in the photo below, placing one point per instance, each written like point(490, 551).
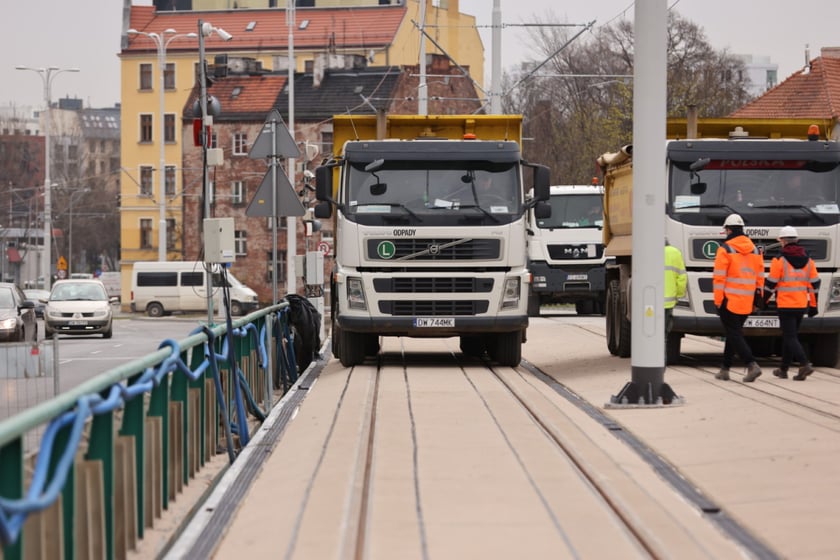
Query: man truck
point(420, 249)
point(566, 251)
point(753, 173)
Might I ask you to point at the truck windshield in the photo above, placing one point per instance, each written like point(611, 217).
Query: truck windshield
point(574, 211)
point(765, 193)
point(432, 193)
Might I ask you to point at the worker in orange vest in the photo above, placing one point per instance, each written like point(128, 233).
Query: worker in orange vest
point(794, 281)
point(738, 276)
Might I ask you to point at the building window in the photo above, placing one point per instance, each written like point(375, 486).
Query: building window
point(281, 267)
point(240, 144)
point(145, 233)
point(772, 79)
point(146, 128)
point(169, 128)
point(240, 242)
point(145, 77)
point(145, 180)
point(326, 142)
point(169, 181)
point(280, 225)
point(237, 192)
point(171, 234)
point(169, 76)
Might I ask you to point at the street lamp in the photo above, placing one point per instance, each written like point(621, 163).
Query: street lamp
point(47, 76)
point(161, 42)
point(70, 236)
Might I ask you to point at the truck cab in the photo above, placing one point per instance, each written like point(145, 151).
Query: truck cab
point(566, 251)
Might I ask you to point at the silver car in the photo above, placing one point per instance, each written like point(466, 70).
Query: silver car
point(78, 307)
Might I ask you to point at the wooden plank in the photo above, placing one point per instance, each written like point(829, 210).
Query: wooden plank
point(175, 468)
point(194, 431)
point(154, 460)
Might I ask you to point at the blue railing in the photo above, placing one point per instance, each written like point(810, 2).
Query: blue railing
point(119, 447)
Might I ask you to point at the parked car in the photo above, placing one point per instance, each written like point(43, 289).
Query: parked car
point(17, 315)
point(78, 307)
point(39, 298)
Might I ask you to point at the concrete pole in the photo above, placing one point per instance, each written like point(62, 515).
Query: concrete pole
point(649, 113)
point(423, 88)
point(161, 46)
point(291, 222)
point(496, 74)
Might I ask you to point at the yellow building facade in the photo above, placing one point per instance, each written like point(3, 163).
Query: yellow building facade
point(141, 129)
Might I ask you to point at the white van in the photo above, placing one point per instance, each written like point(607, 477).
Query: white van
point(162, 287)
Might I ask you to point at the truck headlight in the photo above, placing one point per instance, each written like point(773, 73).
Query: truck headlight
point(834, 294)
point(510, 297)
point(356, 294)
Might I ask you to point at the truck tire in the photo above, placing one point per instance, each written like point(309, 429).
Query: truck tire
point(371, 345)
point(533, 304)
point(825, 350)
point(613, 300)
point(672, 348)
point(335, 339)
point(352, 348)
point(472, 346)
point(508, 349)
point(623, 328)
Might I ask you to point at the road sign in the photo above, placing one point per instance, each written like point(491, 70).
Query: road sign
point(278, 144)
point(324, 247)
point(288, 203)
point(62, 263)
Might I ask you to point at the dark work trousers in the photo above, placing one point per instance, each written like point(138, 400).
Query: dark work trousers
point(733, 324)
point(792, 351)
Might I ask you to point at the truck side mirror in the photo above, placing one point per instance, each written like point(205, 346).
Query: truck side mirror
point(323, 210)
point(542, 180)
point(324, 182)
point(542, 210)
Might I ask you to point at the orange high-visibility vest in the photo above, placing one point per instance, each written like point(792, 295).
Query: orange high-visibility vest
point(736, 278)
point(796, 288)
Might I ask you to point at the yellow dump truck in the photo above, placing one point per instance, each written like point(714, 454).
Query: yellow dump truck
point(750, 171)
point(422, 247)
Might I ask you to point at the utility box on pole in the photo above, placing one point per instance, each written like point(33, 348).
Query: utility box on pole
point(219, 243)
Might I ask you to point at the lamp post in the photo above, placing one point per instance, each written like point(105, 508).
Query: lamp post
point(70, 235)
point(161, 42)
point(47, 76)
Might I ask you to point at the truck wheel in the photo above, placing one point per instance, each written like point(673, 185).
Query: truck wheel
point(508, 349)
point(533, 304)
point(824, 350)
point(154, 310)
point(352, 348)
point(335, 338)
point(371, 345)
point(472, 346)
point(623, 328)
point(613, 300)
point(672, 348)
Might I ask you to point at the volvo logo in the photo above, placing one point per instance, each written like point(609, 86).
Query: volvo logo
point(434, 249)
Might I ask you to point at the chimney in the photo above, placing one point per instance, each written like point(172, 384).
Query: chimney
point(807, 68)
point(830, 52)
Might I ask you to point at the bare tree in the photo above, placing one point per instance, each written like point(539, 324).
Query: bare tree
point(580, 103)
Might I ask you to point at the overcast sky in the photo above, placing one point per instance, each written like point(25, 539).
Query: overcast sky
point(86, 34)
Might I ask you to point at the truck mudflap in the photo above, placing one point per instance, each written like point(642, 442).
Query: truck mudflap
point(407, 326)
point(712, 326)
point(577, 280)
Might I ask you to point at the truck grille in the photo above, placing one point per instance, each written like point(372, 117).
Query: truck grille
point(575, 251)
point(433, 308)
point(432, 285)
point(433, 249)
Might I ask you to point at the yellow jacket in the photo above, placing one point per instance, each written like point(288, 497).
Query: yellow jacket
point(675, 276)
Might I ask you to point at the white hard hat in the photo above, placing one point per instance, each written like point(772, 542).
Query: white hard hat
point(788, 232)
point(733, 220)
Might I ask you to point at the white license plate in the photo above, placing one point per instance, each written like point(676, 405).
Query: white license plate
point(434, 322)
point(762, 322)
point(577, 277)
point(77, 323)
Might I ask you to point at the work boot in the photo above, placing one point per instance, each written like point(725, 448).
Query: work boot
point(804, 371)
point(723, 374)
point(780, 373)
point(753, 371)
